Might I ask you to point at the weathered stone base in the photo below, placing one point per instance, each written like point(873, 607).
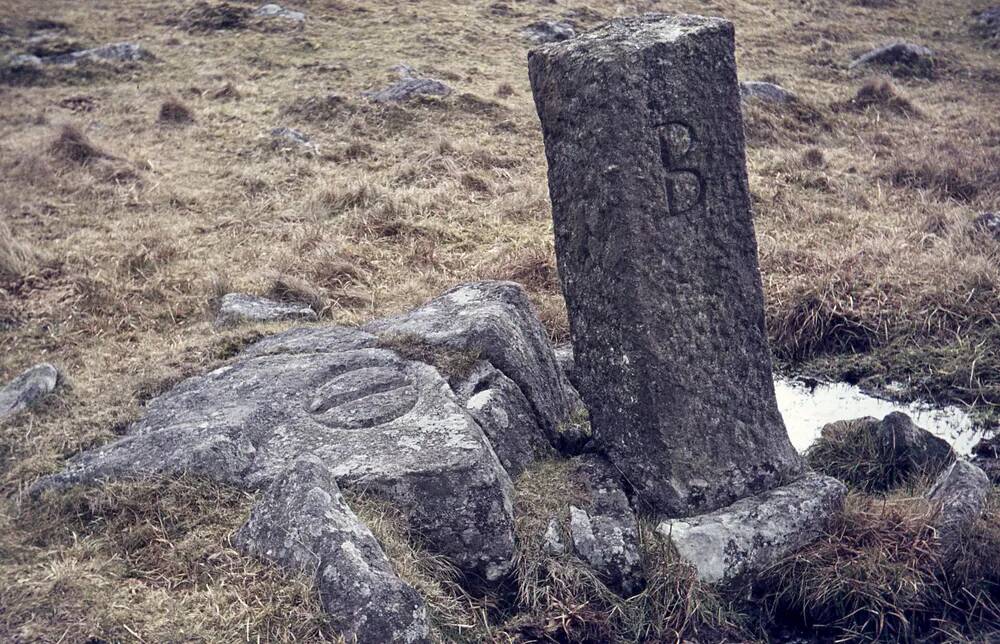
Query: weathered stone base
point(755, 532)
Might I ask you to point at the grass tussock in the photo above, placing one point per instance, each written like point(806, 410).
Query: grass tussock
point(174, 112)
point(850, 451)
point(883, 95)
point(17, 258)
point(73, 146)
point(877, 575)
point(454, 364)
point(146, 561)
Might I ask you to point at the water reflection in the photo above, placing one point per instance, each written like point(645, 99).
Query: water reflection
point(806, 407)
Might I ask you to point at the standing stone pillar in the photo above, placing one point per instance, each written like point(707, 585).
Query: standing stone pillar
point(658, 259)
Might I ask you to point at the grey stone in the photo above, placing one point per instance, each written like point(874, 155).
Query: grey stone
point(900, 59)
point(768, 92)
point(277, 11)
point(237, 308)
point(27, 389)
point(302, 522)
point(958, 495)
point(408, 88)
point(658, 260)
point(913, 449)
point(120, 52)
point(546, 31)
point(565, 360)
point(285, 138)
point(321, 339)
point(552, 542)
point(605, 532)
point(506, 416)
point(754, 533)
point(988, 223)
point(383, 424)
point(497, 320)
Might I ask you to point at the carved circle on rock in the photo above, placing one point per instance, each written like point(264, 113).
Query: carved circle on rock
point(363, 398)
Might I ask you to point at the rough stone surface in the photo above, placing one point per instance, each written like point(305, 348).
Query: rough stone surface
point(900, 59)
point(658, 259)
point(27, 389)
point(302, 522)
point(277, 11)
point(988, 223)
point(546, 31)
point(768, 92)
point(566, 361)
point(506, 417)
point(496, 320)
point(408, 88)
point(755, 532)
point(605, 532)
point(959, 495)
point(237, 308)
point(383, 424)
point(914, 449)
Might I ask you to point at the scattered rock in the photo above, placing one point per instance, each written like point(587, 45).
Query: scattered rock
point(408, 88)
point(753, 533)
point(120, 52)
point(552, 543)
point(286, 138)
point(497, 320)
point(277, 11)
point(914, 449)
point(605, 532)
point(302, 522)
point(385, 425)
point(767, 92)
point(900, 59)
point(988, 223)
point(27, 389)
point(237, 308)
point(959, 495)
point(986, 23)
point(506, 416)
point(546, 31)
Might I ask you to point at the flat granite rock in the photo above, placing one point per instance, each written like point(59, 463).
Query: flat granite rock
point(302, 522)
point(237, 308)
point(383, 424)
point(497, 320)
point(27, 389)
point(755, 532)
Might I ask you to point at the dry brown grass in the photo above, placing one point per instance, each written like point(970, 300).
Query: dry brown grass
point(405, 201)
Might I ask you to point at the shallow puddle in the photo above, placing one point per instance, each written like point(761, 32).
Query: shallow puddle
point(806, 408)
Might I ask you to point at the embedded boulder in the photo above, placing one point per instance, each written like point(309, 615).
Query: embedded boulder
point(899, 59)
point(546, 31)
point(302, 522)
point(958, 495)
point(506, 417)
point(389, 426)
point(497, 321)
point(27, 389)
point(410, 85)
point(755, 532)
point(237, 308)
point(763, 91)
point(277, 11)
point(605, 532)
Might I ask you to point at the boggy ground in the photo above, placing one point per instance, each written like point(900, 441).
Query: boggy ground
point(113, 246)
